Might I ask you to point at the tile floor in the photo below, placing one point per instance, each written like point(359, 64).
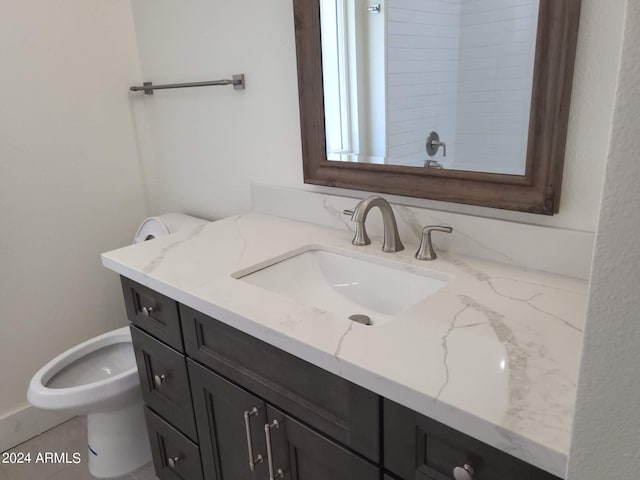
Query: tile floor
point(69, 437)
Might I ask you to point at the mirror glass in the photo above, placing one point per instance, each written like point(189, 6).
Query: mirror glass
point(429, 83)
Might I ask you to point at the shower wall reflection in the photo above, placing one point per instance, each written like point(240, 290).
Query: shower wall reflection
point(461, 68)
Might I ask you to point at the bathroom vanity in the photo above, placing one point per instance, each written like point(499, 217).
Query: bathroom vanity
point(474, 379)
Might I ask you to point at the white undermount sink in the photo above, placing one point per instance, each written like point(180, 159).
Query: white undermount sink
point(346, 285)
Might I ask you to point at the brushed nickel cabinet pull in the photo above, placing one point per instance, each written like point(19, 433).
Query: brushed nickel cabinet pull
point(463, 473)
point(247, 425)
point(267, 433)
point(159, 379)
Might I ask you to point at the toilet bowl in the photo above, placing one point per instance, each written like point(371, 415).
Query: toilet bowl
point(99, 378)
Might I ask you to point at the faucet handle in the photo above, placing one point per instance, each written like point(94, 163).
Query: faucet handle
point(361, 238)
point(426, 251)
point(443, 145)
point(433, 144)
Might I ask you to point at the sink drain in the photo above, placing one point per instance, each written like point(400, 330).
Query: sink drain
point(363, 319)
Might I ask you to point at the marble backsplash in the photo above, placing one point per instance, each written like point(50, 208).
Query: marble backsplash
point(548, 249)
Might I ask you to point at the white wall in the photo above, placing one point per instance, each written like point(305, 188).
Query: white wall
point(497, 48)
point(422, 65)
point(606, 443)
point(210, 144)
point(70, 183)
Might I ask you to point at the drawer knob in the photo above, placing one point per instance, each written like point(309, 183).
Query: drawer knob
point(172, 462)
point(463, 473)
point(159, 379)
point(147, 311)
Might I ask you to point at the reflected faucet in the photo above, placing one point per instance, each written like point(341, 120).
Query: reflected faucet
point(392, 242)
point(433, 145)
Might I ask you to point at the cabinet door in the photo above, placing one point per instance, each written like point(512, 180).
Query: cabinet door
point(223, 411)
point(302, 454)
point(340, 409)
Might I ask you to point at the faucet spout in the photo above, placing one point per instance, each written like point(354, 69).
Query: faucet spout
point(392, 242)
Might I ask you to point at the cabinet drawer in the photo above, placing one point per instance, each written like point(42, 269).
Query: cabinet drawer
point(417, 447)
point(164, 381)
point(154, 313)
point(338, 408)
point(174, 455)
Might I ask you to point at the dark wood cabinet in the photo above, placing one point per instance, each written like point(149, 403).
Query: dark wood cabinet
point(232, 419)
point(175, 457)
point(153, 312)
point(164, 381)
point(417, 447)
point(340, 409)
point(215, 407)
point(303, 454)
point(223, 411)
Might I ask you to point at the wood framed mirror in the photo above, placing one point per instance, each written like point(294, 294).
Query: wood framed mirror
point(536, 189)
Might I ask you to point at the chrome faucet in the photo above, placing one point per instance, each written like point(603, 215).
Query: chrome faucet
point(392, 242)
point(426, 251)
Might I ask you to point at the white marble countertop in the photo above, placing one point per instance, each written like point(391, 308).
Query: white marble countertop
point(493, 354)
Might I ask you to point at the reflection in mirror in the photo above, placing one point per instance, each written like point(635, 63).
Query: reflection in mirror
point(429, 83)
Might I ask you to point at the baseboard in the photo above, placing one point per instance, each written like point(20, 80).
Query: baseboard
point(26, 423)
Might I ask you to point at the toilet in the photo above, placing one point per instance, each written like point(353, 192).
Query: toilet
point(99, 378)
